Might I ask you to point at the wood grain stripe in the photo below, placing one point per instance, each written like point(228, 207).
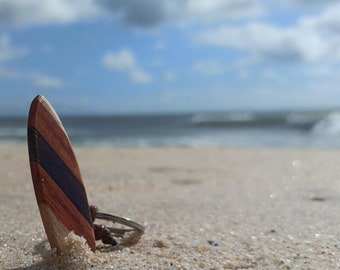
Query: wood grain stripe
point(64, 211)
point(40, 118)
point(57, 181)
point(59, 172)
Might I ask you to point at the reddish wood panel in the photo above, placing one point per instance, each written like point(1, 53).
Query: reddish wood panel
point(44, 119)
point(57, 181)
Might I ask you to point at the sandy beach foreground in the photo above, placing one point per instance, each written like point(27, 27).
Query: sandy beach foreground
point(202, 209)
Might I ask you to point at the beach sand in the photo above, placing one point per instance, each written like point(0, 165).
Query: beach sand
point(209, 208)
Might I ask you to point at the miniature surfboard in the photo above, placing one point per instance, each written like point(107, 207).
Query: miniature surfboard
point(57, 181)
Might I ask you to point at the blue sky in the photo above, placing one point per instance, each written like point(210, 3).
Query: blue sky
point(128, 56)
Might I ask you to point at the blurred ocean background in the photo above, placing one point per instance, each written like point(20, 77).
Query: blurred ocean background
point(320, 129)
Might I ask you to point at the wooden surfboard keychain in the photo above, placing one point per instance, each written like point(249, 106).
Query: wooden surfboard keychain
point(58, 185)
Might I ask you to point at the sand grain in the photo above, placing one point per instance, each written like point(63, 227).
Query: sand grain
point(202, 209)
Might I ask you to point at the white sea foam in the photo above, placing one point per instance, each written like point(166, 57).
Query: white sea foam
point(304, 118)
point(282, 129)
point(230, 117)
point(330, 125)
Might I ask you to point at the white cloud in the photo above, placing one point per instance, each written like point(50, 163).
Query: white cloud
point(193, 11)
point(142, 14)
point(121, 61)
point(125, 61)
point(36, 12)
point(140, 76)
point(7, 51)
point(307, 3)
point(170, 76)
point(273, 76)
point(8, 73)
point(209, 67)
point(37, 78)
point(310, 39)
point(44, 80)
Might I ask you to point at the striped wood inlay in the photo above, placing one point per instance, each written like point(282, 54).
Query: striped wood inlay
point(58, 185)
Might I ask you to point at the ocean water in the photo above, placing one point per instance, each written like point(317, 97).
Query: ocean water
point(319, 129)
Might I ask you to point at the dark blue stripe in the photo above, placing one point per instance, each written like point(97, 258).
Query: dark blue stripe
point(41, 152)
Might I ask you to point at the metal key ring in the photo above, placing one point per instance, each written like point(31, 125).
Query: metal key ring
point(124, 221)
point(104, 232)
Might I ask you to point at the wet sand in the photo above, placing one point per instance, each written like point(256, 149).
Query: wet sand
point(231, 208)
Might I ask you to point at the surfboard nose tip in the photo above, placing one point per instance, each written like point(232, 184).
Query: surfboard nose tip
point(39, 98)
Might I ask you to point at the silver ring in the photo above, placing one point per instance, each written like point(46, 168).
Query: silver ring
point(134, 226)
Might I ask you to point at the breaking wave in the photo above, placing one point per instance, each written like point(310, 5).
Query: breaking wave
point(299, 120)
point(329, 125)
point(237, 128)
